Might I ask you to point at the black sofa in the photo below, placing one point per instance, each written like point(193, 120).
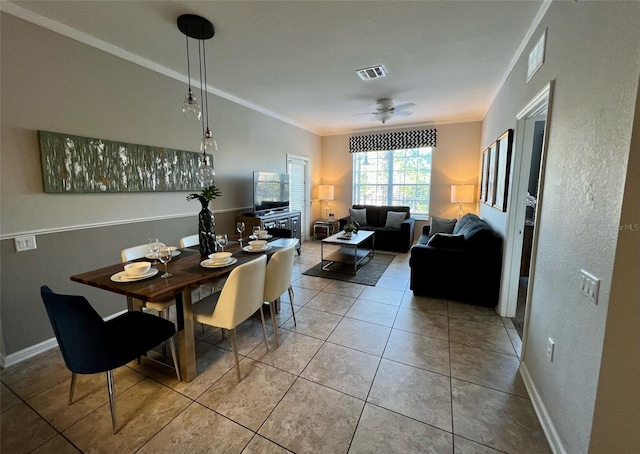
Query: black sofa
point(386, 239)
point(464, 265)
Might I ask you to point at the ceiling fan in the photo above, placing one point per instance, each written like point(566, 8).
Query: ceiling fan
point(385, 110)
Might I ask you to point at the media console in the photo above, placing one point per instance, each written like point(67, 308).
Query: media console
point(289, 220)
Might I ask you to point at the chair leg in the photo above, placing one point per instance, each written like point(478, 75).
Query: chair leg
point(164, 313)
point(112, 399)
point(172, 347)
point(72, 388)
point(264, 329)
point(274, 323)
point(291, 301)
point(234, 347)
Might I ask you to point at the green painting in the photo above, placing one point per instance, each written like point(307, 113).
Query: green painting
point(82, 164)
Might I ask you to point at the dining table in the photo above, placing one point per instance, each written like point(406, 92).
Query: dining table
point(187, 273)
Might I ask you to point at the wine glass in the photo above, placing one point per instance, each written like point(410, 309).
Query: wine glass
point(240, 228)
point(154, 246)
point(165, 254)
point(256, 229)
point(222, 241)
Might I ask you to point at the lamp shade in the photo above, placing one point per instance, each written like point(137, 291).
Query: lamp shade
point(462, 193)
point(325, 192)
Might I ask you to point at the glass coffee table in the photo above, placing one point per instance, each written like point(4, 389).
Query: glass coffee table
point(350, 252)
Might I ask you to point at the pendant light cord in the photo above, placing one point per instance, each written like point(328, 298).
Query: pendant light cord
point(202, 97)
point(188, 64)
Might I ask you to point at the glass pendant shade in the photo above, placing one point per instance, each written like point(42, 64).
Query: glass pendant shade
point(205, 173)
point(208, 143)
point(191, 108)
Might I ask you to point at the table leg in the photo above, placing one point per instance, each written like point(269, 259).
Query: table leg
point(186, 337)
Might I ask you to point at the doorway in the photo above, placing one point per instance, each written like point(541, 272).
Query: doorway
point(298, 170)
point(523, 215)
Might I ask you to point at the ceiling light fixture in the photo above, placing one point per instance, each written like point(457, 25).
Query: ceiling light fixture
point(201, 29)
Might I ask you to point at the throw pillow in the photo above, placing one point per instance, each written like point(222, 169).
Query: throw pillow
point(359, 216)
point(447, 240)
point(394, 219)
point(440, 225)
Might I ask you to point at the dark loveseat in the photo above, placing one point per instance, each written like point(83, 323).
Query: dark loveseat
point(463, 265)
point(386, 238)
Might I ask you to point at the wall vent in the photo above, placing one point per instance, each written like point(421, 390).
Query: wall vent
point(373, 72)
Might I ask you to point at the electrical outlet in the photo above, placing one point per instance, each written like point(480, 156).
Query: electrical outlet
point(589, 286)
point(551, 346)
point(25, 243)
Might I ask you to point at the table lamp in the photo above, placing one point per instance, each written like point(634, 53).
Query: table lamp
point(325, 193)
point(462, 193)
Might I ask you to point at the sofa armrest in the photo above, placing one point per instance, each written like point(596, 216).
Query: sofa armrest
point(426, 229)
point(343, 221)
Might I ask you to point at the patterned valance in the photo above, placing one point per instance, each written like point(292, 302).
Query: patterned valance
point(393, 141)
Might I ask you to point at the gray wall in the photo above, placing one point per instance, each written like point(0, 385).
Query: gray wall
point(592, 55)
point(50, 82)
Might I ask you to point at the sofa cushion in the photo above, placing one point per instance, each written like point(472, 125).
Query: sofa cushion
point(473, 228)
point(359, 215)
point(447, 240)
point(441, 225)
point(394, 219)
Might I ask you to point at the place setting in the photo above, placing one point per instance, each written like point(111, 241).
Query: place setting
point(260, 234)
point(154, 248)
point(257, 246)
point(219, 260)
point(134, 272)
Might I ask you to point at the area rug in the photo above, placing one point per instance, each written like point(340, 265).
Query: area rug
point(368, 274)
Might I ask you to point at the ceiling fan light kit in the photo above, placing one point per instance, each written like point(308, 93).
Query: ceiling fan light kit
point(385, 110)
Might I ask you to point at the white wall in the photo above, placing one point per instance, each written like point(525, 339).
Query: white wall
point(592, 56)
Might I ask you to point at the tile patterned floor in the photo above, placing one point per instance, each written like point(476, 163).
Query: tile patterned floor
point(365, 370)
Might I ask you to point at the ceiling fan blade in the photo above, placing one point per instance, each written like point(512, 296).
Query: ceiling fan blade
point(401, 113)
point(364, 113)
point(403, 106)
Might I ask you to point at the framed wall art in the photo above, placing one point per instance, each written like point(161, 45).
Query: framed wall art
point(485, 176)
point(491, 179)
point(504, 146)
point(75, 164)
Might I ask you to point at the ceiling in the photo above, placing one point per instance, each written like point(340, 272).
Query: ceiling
point(296, 60)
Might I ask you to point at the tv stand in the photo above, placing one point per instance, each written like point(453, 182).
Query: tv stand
point(285, 219)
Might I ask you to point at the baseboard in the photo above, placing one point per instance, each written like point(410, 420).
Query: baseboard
point(555, 443)
point(30, 352)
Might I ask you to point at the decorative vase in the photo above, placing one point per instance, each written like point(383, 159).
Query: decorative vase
point(206, 230)
point(348, 234)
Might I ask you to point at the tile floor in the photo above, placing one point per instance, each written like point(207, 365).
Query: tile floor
point(366, 370)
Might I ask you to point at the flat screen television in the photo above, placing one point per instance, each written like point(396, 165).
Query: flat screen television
point(270, 192)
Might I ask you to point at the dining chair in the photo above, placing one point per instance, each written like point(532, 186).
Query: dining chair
point(162, 306)
point(277, 281)
point(91, 345)
point(239, 299)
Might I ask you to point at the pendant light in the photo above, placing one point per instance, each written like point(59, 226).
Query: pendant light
point(201, 29)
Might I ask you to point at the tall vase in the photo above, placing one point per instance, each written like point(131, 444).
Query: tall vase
point(206, 230)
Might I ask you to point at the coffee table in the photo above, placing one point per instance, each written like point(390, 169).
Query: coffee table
point(350, 251)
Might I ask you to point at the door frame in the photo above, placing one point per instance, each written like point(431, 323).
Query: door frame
point(525, 119)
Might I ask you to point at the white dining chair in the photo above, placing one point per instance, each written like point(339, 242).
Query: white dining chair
point(239, 299)
point(277, 281)
point(163, 306)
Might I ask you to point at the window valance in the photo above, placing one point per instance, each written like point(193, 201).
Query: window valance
point(393, 141)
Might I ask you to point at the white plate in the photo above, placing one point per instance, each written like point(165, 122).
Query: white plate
point(208, 264)
point(122, 276)
point(153, 256)
point(268, 237)
point(248, 249)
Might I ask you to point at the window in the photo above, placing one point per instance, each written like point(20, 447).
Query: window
point(393, 177)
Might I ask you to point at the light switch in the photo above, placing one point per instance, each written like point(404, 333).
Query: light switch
point(589, 286)
point(25, 243)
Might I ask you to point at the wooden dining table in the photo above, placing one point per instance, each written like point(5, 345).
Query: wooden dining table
point(186, 274)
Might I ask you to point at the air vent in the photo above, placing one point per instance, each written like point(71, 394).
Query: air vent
point(374, 72)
